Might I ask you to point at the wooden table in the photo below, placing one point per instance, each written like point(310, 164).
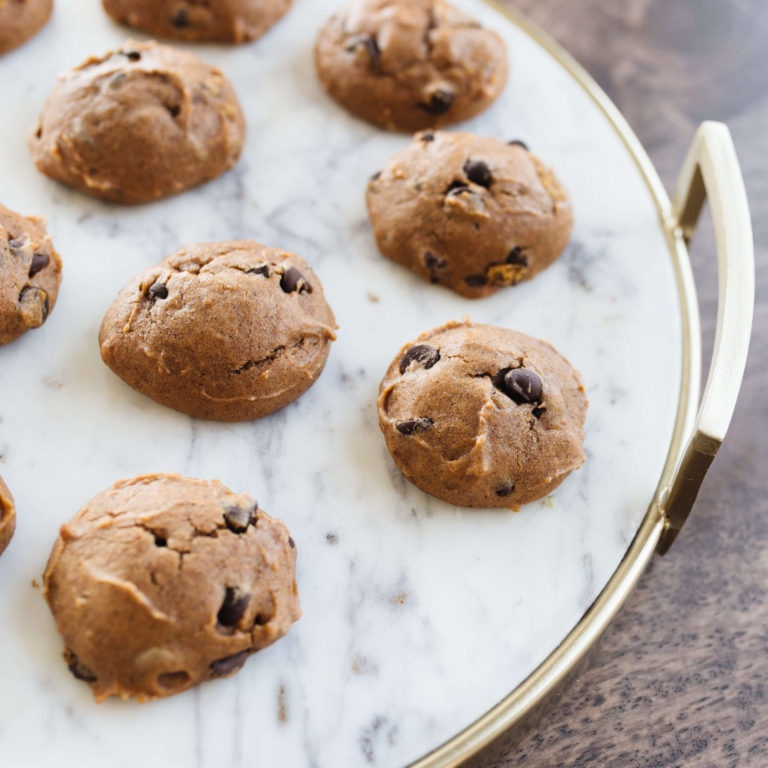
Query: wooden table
point(681, 677)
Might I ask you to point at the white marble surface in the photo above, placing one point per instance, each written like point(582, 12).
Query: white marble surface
point(417, 616)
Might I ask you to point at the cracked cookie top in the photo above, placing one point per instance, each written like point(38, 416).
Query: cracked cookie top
point(144, 122)
point(471, 213)
point(30, 274)
point(481, 416)
point(406, 65)
point(7, 516)
point(224, 21)
point(162, 582)
point(230, 331)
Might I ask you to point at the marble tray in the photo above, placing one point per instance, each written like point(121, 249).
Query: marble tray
point(418, 616)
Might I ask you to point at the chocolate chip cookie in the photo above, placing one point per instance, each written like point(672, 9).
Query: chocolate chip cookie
point(481, 416)
point(30, 273)
point(7, 516)
point(228, 331)
point(20, 20)
point(225, 21)
point(410, 64)
point(471, 213)
point(142, 123)
point(162, 582)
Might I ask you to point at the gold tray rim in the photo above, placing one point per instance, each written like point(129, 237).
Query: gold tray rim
point(553, 672)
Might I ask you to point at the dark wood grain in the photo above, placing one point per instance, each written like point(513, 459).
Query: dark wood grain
point(681, 677)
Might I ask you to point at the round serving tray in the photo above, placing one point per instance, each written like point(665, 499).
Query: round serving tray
point(419, 618)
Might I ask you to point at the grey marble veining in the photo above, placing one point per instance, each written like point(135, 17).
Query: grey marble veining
point(418, 616)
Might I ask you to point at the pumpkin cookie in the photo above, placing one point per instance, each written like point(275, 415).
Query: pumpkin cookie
point(30, 274)
point(410, 64)
point(481, 416)
point(162, 582)
point(471, 213)
point(7, 516)
point(21, 20)
point(225, 21)
point(228, 331)
point(142, 123)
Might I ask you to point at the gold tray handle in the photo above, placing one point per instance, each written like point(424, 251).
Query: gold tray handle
point(711, 171)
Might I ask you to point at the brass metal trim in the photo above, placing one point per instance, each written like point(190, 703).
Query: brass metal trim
point(711, 171)
point(517, 708)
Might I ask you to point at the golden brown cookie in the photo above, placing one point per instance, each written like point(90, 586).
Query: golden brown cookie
point(30, 274)
point(7, 516)
point(142, 123)
point(471, 213)
point(224, 21)
point(481, 416)
point(228, 331)
point(20, 20)
point(162, 582)
point(410, 64)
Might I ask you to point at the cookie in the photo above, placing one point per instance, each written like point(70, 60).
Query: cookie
point(481, 416)
point(228, 331)
point(225, 21)
point(406, 65)
point(162, 582)
point(7, 516)
point(142, 123)
point(30, 274)
point(21, 20)
point(470, 213)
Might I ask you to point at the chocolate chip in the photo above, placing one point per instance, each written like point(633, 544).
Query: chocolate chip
point(515, 256)
point(31, 295)
point(421, 354)
point(133, 55)
point(181, 19)
point(475, 281)
point(160, 541)
point(39, 261)
point(78, 669)
point(263, 270)
point(293, 280)
point(413, 425)
point(157, 291)
point(376, 176)
point(521, 384)
point(174, 110)
point(427, 136)
point(505, 489)
point(434, 262)
point(538, 411)
point(479, 173)
point(456, 188)
point(291, 542)
point(228, 664)
point(439, 102)
point(518, 143)
point(16, 243)
point(237, 518)
point(371, 46)
point(233, 608)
